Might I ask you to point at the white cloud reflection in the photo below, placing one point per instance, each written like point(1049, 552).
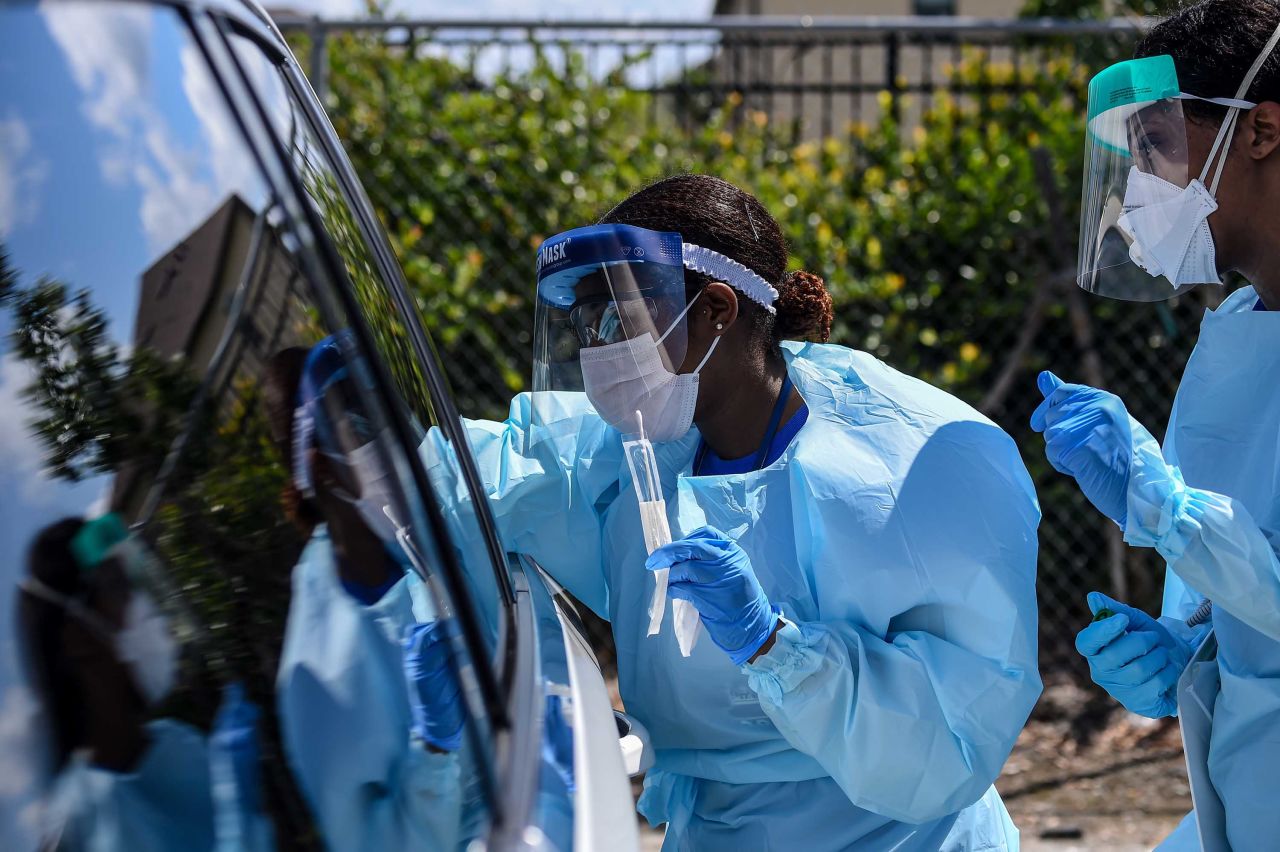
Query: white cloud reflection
point(112, 53)
point(21, 173)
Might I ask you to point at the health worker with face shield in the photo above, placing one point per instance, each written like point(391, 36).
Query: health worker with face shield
point(858, 547)
point(370, 711)
point(1181, 180)
point(102, 658)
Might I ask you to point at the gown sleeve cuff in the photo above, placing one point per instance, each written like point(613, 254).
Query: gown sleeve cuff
point(794, 656)
point(1167, 516)
point(1161, 511)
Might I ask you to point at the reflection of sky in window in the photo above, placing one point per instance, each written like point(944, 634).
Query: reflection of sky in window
point(114, 145)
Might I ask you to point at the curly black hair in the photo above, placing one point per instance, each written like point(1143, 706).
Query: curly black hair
point(1213, 43)
point(713, 213)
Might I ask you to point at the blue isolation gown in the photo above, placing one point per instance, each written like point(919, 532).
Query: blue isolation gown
point(344, 714)
point(897, 533)
point(163, 804)
point(1222, 436)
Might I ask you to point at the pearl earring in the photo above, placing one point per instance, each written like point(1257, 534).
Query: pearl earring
point(719, 326)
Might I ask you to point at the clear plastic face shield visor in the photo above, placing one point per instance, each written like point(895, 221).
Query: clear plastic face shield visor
point(332, 422)
point(1144, 232)
point(613, 286)
point(611, 322)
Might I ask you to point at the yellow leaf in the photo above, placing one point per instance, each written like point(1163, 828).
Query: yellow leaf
point(872, 250)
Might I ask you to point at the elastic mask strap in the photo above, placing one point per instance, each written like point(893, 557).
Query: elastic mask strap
point(71, 606)
point(707, 357)
point(681, 316)
point(303, 432)
point(1229, 126)
point(1227, 130)
point(1222, 102)
point(714, 343)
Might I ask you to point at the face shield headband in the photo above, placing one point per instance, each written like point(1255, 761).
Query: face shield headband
point(325, 367)
point(599, 246)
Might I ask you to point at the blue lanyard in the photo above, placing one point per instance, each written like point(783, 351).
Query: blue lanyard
point(770, 433)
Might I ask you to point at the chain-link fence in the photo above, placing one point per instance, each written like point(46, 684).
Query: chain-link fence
point(927, 168)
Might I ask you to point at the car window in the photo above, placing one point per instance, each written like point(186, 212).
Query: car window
point(392, 332)
point(207, 506)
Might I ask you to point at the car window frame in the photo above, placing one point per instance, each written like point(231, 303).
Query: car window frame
point(334, 297)
point(518, 748)
point(448, 417)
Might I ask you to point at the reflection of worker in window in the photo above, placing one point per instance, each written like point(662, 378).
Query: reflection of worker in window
point(101, 658)
point(374, 756)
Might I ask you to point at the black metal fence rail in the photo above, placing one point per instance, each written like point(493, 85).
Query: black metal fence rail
point(824, 73)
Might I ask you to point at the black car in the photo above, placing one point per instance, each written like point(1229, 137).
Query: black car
point(243, 605)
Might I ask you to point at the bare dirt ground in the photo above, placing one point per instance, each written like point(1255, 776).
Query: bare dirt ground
point(1087, 776)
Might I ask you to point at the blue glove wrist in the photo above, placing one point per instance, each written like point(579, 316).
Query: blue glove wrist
point(711, 571)
point(743, 655)
point(234, 749)
point(435, 703)
point(423, 730)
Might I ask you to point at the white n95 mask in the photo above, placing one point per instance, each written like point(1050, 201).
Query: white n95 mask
point(377, 489)
point(145, 644)
point(1169, 229)
point(624, 378)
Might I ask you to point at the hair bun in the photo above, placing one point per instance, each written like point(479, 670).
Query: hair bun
point(804, 307)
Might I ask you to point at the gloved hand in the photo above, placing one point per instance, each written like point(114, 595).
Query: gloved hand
point(1087, 435)
point(435, 703)
point(1134, 657)
point(715, 575)
point(234, 746)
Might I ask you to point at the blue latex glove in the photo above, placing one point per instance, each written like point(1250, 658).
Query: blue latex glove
point(234, 746)
point(715, 575)
point(1087, 435)
point(435, 702)
point(557, 744)
point(1134, 657)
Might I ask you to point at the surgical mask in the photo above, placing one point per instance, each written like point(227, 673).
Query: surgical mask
point(144, 644)
point(1169, 229)
point(631, 376)
point(377, 490)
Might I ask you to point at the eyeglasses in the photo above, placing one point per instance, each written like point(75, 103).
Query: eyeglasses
point(602, 320)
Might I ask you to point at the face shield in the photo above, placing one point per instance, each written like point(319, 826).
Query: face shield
point(603, 285)
point(1144, 229)
point(1136, 141)
point(610, 322)
point(332, 422)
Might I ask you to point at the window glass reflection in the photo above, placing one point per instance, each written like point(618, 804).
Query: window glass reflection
point(393, 338)
point(215, 606)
